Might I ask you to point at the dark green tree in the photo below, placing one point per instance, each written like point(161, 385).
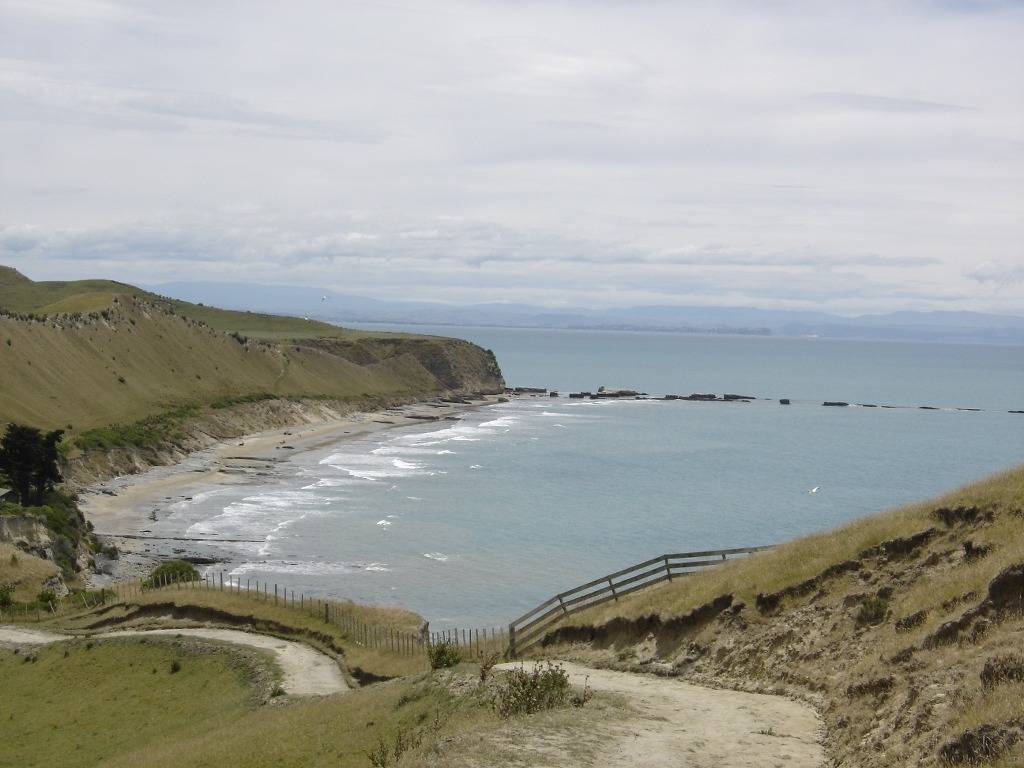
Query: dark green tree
point(21, 451)
point(47, 472)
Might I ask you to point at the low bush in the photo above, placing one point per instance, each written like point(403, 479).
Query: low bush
point(524, 693)
point(6, 595)
point(443, 655)
point(386, 755)
point(872, 610)
point(146, 433)
point(229, 400)
point(173, 571)
point(46, 596)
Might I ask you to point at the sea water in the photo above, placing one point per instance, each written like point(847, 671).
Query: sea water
point(474, 521)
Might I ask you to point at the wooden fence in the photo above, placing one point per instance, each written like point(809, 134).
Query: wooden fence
point(477, 643)
point(473, 643)
point(532, 625)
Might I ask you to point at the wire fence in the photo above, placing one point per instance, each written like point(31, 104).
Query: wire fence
point(343, 615)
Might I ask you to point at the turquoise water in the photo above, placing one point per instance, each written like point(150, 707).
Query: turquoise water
point(472, 522)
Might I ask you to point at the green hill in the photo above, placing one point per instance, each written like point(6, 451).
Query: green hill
point(94, 353)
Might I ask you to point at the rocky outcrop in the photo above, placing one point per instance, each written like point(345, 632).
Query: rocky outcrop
point(29, 534)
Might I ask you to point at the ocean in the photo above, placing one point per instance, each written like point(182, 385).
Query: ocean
point(473, 522)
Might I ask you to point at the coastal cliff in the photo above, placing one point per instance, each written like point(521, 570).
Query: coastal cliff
point(137, 380)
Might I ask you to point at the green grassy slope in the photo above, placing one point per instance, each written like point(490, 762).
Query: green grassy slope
point(116, 703)
point(84, 703)
point(21, 295)
point(140, 355)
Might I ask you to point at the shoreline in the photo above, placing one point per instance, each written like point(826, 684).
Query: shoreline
point(122, 508)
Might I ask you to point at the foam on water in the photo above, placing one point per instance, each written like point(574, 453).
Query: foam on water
point(305, 568)
point(263, 516)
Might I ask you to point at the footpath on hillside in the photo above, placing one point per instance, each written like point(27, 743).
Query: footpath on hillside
point(305, 672)
point(674, 723)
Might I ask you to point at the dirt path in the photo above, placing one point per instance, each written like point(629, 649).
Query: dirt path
point(305, 672)
point(680, 724)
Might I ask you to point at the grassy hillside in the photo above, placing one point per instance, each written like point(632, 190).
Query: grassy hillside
point(19, 294)
point(84, 703)
point(189, 607)
point(116, 703)
point(905, 628)
point(23, 575)
point(93, 353)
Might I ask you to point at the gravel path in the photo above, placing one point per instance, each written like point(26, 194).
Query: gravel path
point(686, 725)
point(306, 672)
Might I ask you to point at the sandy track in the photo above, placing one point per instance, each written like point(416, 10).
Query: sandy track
point(305, 672)
point(681, 724)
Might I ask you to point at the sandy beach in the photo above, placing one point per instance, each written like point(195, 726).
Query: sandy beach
point(123, 508)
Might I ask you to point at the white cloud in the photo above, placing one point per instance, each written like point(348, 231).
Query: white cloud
point(843, 156)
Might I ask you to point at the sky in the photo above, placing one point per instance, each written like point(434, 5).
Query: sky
point(839, 156)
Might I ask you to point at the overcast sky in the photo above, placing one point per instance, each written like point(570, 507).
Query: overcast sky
point(853, 156)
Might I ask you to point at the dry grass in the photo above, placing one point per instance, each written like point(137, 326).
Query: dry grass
point(554, 737)
point(138, 355)
point(26, 573)
point(144, 361)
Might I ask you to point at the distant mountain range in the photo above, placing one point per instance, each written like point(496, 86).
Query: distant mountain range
point(974, 327)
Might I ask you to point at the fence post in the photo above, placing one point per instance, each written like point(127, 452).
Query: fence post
point(668, 570)
point(611, 585)
point(275, 594)
point(512, 638)
point(564, 609)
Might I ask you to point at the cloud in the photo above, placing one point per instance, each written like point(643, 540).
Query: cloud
point(859, 156)
point(451, 259)
point(998, 273)
point(869, 103)
point(31, 96)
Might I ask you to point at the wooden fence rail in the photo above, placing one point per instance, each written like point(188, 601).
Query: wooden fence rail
point(477, 643)
point(532, 625)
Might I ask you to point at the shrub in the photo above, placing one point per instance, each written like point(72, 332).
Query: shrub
point(872, 611)
point(175, 571)
point(175, 667)
point(46, 596)
point(443, 655)
point(146, 433)
point(6, 595)
point(386, 756)
point(524, 693)
point(229, 400)
point(487, 664)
